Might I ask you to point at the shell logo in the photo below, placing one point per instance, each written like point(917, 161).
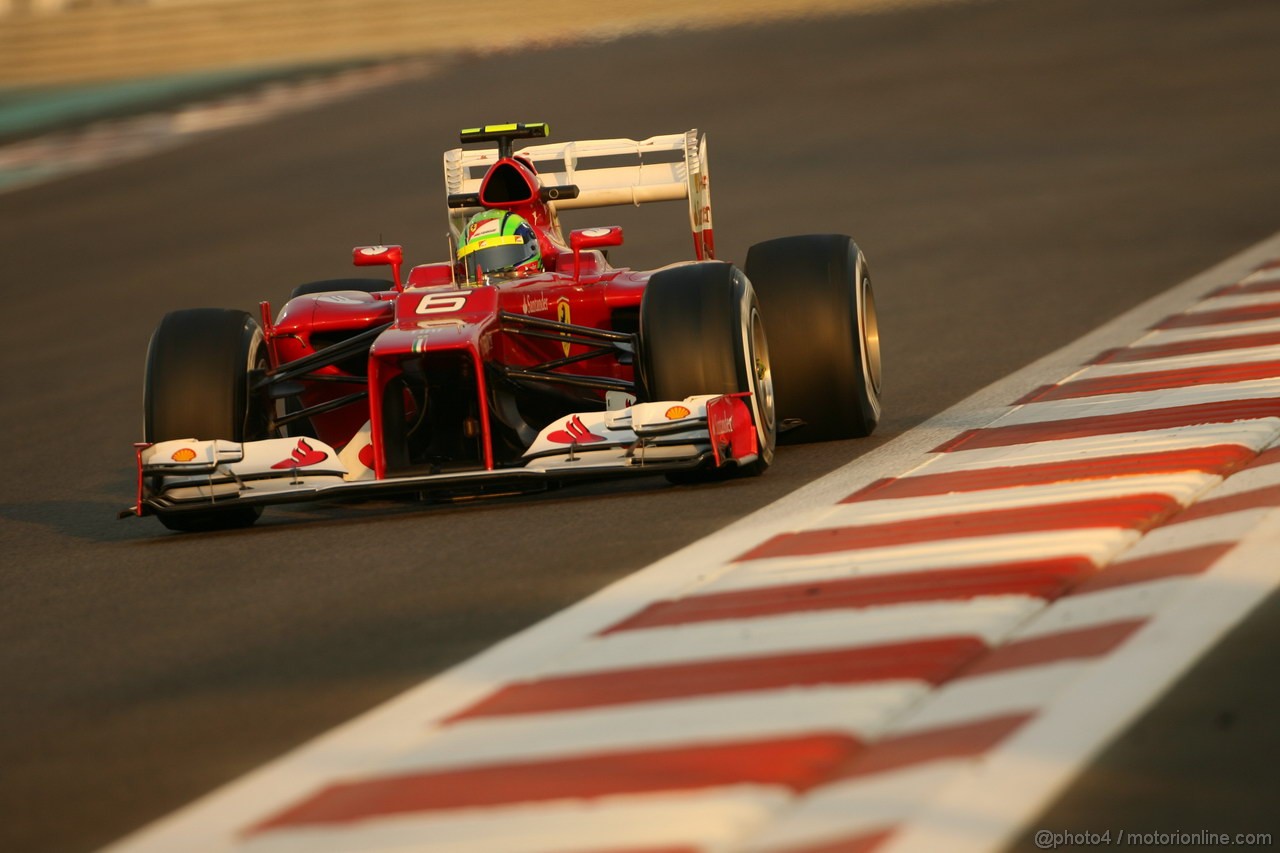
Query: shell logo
point(185, 454)
point(675, 413)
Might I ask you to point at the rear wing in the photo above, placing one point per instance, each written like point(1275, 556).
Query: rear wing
point(606, 172)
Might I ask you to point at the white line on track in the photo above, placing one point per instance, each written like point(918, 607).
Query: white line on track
point(1254, 435)
point(1160, 337)
point(1138, 401)
point(802, 632)
point(641, 725)
point(1097, 544)
point(1184, 487)
point(1217, 357)
point(655, 821)
point(1239, 300)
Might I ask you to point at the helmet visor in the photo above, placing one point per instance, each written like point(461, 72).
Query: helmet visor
point(496, 255)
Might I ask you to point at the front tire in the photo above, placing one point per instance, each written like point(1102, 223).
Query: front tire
point(199, 365)
point(816, 291)
point(701, 332)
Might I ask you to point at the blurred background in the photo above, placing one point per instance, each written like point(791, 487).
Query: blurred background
point(1017, 171)
point(78, 41)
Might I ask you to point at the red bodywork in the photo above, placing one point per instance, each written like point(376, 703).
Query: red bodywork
point(462, 341)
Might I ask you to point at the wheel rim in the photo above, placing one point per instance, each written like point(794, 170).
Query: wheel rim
point(762, 373)
point(870, 334)
point(257, 414)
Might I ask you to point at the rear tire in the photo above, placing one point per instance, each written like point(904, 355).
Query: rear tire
point(816, 292)
point(332, 285)
point(701, 332)
point(197, 386)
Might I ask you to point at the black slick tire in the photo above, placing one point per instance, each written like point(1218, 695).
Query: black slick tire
point(197, 386)
point(824, 334)
point(702, 332)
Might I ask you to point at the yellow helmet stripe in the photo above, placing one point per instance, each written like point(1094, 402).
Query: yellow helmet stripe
point(486, 242)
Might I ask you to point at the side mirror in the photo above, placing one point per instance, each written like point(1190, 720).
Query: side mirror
point(593, 238)
point(380, 256)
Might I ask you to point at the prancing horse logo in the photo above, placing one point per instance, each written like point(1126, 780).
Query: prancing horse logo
point(564, 315)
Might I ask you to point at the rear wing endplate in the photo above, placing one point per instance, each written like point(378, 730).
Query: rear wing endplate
point(606, 172)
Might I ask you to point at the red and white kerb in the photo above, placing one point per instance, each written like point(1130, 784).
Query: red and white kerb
point(814, 692)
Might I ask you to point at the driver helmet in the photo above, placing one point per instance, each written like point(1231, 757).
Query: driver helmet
point(501, 244)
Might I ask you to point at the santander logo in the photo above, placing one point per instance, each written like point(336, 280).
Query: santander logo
point(574, 432)
point(534, 303)
point(302, 456)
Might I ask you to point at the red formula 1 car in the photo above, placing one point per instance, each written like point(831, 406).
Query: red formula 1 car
point(523, 360)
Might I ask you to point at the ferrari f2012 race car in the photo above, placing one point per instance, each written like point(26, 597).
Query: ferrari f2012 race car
point(524, 360)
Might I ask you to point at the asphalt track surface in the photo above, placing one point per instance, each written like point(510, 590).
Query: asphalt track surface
point(1018, 173)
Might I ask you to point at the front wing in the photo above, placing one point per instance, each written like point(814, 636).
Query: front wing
point(193, 475)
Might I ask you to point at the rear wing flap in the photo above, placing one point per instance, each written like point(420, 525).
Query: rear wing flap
point(606, 172)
